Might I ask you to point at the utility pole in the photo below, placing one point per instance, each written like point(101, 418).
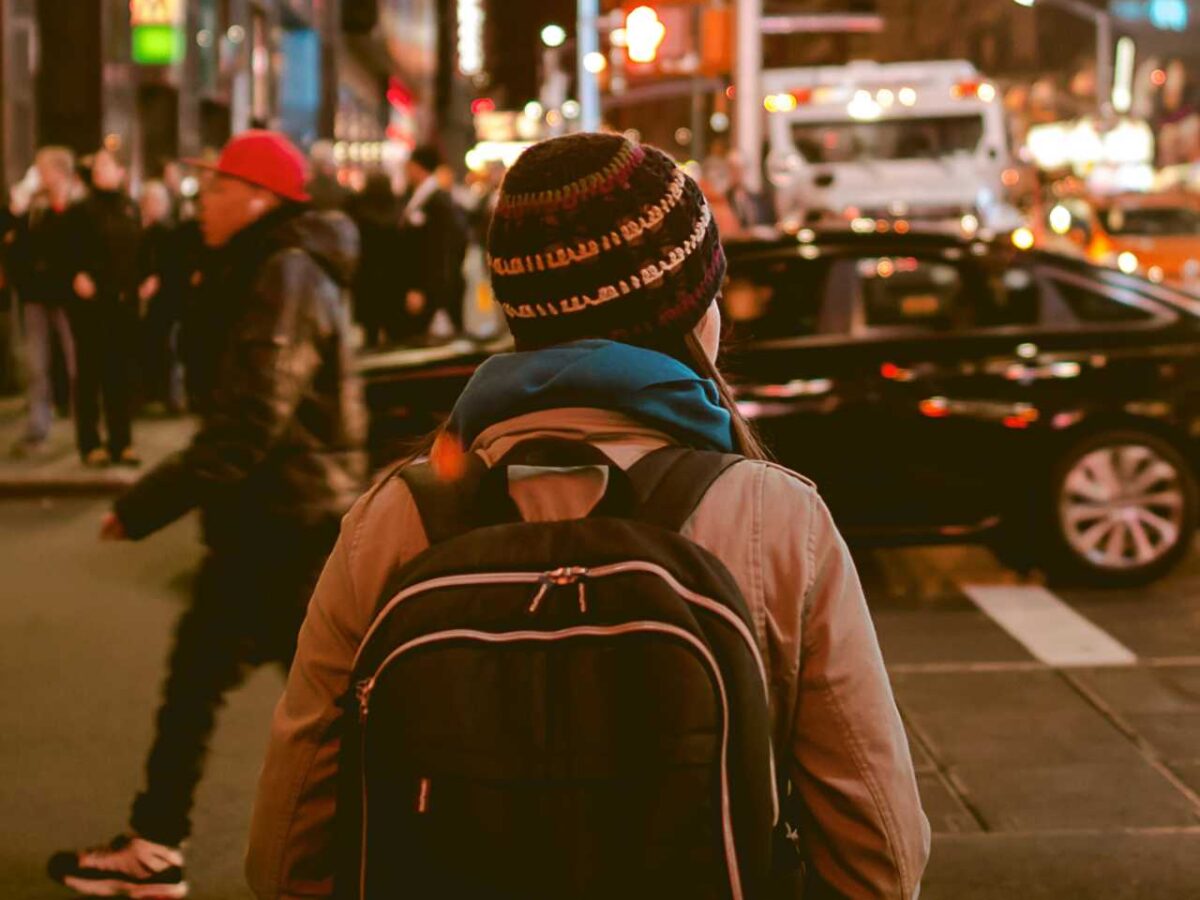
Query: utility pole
point(587, 40)
point(747, 85)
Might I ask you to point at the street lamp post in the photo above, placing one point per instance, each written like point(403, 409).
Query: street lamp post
point(748, 89)
point(1104, 45)
point(587, 41)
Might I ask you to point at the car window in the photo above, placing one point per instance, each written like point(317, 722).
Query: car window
point(772, 299)
point(938, 294)
point(1089, 305)
point(907, 292)
point(1154, 222)
point(1011, 295)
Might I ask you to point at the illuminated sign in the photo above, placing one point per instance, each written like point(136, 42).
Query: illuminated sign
point(1165, 15)
point(470, 37)
point(155, 12)
point(157, 38)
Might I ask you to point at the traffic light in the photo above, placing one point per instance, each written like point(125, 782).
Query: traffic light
point(644, 33)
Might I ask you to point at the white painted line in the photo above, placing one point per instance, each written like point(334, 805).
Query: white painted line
point(1049, 629)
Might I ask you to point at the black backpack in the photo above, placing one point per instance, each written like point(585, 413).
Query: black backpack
point(559, 710)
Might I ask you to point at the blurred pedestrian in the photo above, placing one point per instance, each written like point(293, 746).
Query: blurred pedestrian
point(183, 207)
point(277, 461)
point(553, 737)
point(378, 301)
point(160, 299)
point(42, 263)
point(324, 188)
point(750, 207)
point(435, 243)
point(104, 315)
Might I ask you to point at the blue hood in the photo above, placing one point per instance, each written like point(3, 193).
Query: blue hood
point(644, 384)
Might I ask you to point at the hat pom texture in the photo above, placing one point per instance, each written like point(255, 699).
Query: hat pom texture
point(595, 236)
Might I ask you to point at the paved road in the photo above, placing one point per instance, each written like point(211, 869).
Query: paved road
point(1046, 777)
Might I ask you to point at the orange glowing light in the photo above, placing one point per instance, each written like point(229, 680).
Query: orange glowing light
point(1158, 77)
point(448, 458)
point(935, 407)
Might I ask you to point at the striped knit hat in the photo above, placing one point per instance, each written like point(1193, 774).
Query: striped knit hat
point(598, 237)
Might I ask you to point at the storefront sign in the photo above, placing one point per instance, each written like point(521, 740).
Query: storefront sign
point(470, 36)
point(157, 38)
point(155, 12)
point(1165, 15)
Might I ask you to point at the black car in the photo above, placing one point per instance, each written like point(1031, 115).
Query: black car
point(938, 388)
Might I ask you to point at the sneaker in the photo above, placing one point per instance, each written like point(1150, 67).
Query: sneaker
point(97, 458)
point(129, 457)
point(128, 867)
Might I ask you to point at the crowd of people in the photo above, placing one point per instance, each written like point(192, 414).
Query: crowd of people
point(107, 287)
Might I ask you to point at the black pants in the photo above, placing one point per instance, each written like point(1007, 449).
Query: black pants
point(247, 609)
point(103, 352)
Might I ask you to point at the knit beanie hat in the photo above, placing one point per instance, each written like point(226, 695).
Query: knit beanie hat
point(597, 237)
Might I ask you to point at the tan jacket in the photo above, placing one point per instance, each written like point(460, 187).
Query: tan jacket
point(831, 703)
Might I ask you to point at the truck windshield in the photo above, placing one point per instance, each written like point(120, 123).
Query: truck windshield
point(1154, 222)
point(888, 139)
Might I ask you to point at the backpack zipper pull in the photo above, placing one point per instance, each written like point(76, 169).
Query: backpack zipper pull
point(540, 595)
point(362, 692)
point(558, 578)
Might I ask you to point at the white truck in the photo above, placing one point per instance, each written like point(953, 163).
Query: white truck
point(919, 141)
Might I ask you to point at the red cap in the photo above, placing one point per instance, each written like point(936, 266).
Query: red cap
point(263, 158)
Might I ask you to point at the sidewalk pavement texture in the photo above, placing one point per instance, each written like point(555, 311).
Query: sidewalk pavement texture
point(56, 469)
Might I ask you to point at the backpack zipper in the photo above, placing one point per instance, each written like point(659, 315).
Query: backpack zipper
point(578, 574)
point(367, 685)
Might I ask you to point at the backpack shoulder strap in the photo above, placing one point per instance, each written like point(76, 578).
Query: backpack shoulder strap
point(445, 507)
point(671, 482)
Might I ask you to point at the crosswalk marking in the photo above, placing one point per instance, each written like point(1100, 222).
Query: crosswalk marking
point(1048, 628)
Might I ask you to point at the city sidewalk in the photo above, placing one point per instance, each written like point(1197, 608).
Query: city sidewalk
point(57, 469)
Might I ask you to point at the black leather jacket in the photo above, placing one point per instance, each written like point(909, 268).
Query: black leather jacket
point(284, 424)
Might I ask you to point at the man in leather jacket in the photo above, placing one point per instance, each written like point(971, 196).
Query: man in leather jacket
point(277, 460)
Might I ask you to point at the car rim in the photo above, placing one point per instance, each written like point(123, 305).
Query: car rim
point(1122, 507)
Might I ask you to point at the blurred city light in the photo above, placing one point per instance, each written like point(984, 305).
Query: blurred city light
point(1128, 262)
point(595, 62)
point(1023, 239)
point(571, 110)
point(863, 107)
point(907, 96)
point(1060, 219)
point(644, 32)
point(533, 110)
point(554, 36)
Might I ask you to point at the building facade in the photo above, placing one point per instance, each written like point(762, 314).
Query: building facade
point(165, 79)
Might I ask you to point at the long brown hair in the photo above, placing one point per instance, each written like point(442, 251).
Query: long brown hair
point(745, 436)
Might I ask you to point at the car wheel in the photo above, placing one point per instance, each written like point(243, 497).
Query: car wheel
point(1123, 509)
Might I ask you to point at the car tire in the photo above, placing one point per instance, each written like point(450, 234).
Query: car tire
point(1121, 510)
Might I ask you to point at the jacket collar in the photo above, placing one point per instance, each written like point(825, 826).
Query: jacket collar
point(258, 234)
point(622, 439)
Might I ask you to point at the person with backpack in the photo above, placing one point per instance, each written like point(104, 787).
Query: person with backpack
point(597, 645)
point(276, 462)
